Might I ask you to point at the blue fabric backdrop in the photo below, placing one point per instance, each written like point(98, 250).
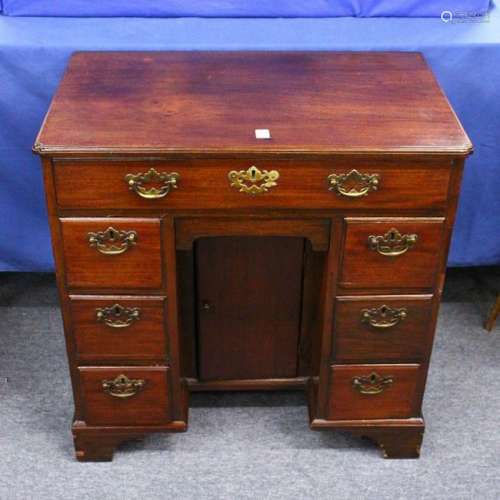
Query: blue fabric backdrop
point(243, 8)
point(33, 53)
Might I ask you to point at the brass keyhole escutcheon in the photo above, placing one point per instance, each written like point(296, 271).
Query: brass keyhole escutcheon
point(253, 181)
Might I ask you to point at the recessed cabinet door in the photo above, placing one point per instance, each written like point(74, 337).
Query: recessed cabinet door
point(249, 303)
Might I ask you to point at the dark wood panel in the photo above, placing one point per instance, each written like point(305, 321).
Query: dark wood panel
point(149, 406)
point(203, 183)
point(311, 318)
point(356, 340)
point(260, 384)
point(214, 101)
point(187, 313)
point(396, 401)
point(317, 231)
point(179, 395)
point(327, 297)
point(142, 339)
point(138, 267)
point(364, 267)
point(252, 291)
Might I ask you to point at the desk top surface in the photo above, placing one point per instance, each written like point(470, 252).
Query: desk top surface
point(212, 102)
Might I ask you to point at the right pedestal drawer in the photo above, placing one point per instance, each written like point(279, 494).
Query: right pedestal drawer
point(384, 253)
point(365, 392)
point(381, 328)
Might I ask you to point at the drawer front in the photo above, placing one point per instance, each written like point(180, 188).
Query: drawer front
point(381, 328)
point(206, 184)
point(119, 328)
point(391, 252)
point(112, 253)
point(125, 395)
point(373, 391)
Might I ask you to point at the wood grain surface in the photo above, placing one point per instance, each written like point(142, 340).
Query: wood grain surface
point(159, 102)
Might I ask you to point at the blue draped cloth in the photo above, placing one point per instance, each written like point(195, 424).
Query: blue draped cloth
point(465, 57)
point(244, 8)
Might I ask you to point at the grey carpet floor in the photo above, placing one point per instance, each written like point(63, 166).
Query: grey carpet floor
point(249, 445)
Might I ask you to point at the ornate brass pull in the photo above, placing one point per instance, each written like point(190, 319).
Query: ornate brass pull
point(372, 384)
point(112, 241)
point(392, 243)
point(163, 183)
point(122, 386)
point(353, 184)
point(383, 316)
point(253, 181)
point(118, 316)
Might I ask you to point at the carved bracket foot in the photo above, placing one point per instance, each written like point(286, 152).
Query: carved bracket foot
point(99, 448)
point(395, 442)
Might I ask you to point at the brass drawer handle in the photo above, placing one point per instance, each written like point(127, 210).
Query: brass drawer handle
point(383, 316)
point(123, 387)
point(162, 183)
point(372, 384)
point(118, 316)
point(353, 184)
point(392, 243)
point(112, 241)
point(253, 181)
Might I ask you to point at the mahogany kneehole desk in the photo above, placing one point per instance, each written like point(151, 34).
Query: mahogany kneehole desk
point(192, 255)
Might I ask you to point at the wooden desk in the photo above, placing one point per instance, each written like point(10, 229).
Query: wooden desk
point(191, 255)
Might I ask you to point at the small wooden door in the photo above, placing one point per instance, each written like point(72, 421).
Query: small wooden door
point(249, 304)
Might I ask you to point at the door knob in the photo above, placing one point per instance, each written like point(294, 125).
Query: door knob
point(207, 306)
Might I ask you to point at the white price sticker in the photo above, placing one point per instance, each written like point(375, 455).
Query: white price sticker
point(262, 133)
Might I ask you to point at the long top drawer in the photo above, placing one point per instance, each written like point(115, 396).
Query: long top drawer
point(245, 183)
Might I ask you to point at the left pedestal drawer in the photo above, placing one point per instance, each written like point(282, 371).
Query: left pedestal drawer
point(116, 329)
point(112, 253)
point(125, 395)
